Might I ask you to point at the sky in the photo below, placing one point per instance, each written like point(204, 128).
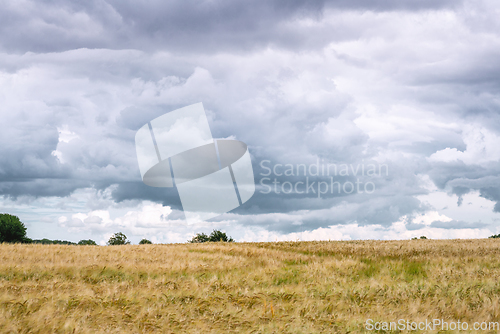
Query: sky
point(364, 119)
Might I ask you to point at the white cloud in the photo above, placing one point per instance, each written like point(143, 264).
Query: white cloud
point(482, 147)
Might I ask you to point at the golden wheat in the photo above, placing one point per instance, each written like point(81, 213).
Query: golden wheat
point(284, 287)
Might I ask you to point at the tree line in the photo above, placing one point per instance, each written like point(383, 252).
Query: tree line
point(12, 230)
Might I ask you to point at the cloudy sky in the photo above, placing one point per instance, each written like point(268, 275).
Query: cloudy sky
point(411, 87)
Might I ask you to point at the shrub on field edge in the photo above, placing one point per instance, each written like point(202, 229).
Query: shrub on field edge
point(87, 242)
point(118, 239)
point(46, 241)
point(199, 237)
point(145, 242)
point(215, 236)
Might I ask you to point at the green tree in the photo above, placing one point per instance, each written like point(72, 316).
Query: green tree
point(199, 237)
point(118, 239)
point(145, 242)
point(12, 229)
point(215, 236)
point(87, 242)
point(496, 236)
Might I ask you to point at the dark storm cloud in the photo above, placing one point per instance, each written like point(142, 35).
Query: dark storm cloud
point(454, 224)
point(363, 212)
point(27, 165)
point(460, 178)
point(202, 26)
point(392, 182)
point(41, 187)
point(138, 190)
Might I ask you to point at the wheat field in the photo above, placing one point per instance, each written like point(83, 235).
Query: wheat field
point(283, 287)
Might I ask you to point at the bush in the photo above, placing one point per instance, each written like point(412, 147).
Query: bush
point(215, 236)
point(87, 242)
point(145, 242)
point(12, 229)
point(496, 236)
point(118, 239)
point(199, 237)
point(46, 241)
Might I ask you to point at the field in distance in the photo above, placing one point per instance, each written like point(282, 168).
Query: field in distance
point(284, 287)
